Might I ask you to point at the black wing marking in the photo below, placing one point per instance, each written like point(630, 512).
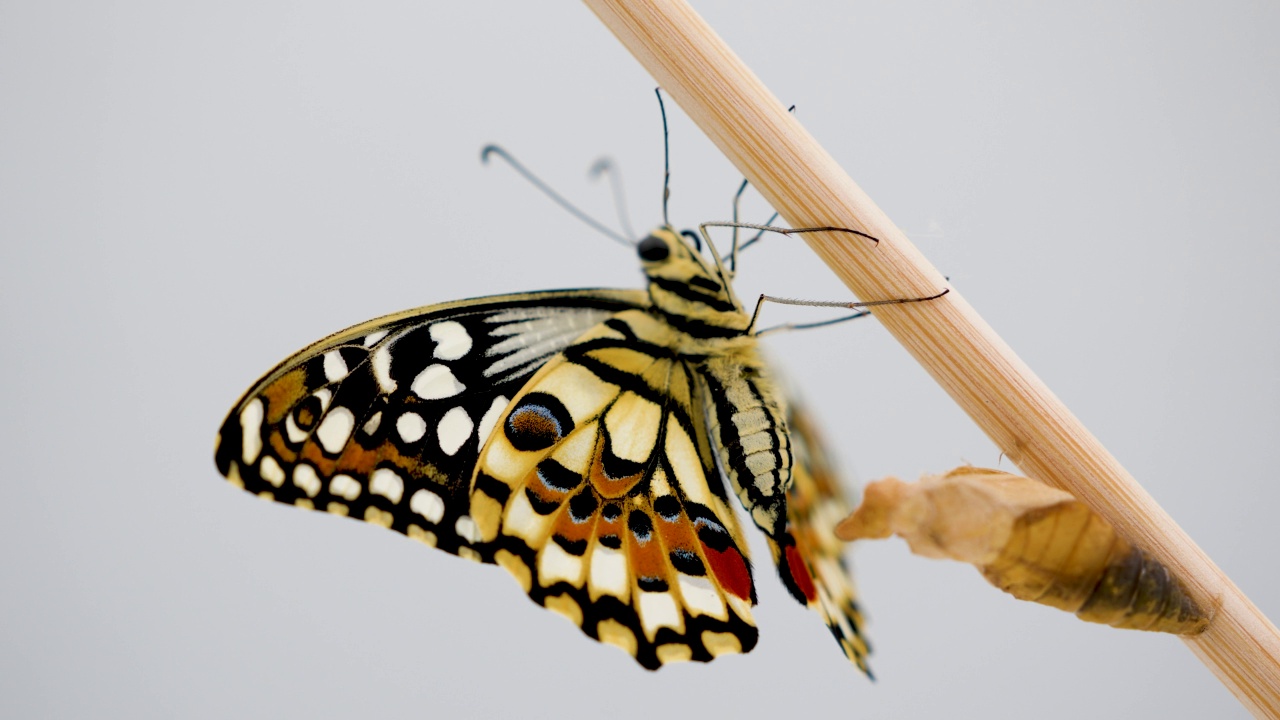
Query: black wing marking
point(600, 495)
point(384, 421)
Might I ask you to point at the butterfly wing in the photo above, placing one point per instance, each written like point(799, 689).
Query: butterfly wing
point(809, 557)
point(384, 421)
point(599, 493)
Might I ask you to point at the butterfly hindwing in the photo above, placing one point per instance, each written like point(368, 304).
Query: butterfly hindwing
point(384, 421)
point(599, 493)
point(809, 558)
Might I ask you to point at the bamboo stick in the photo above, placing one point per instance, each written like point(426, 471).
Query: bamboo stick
point(962, 353)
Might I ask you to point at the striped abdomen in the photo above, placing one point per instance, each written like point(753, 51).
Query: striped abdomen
point(746, 423)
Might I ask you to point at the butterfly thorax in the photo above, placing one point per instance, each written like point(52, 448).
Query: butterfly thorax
point(688, 291)
point(707, 327)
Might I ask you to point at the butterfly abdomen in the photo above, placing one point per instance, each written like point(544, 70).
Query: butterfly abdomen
point(746, 419)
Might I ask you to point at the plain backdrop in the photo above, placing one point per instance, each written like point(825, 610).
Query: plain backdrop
point(191, 191)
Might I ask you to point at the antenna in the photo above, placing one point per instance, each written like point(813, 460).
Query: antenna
point(574, 211)
point(606, 166)
point(666, 159)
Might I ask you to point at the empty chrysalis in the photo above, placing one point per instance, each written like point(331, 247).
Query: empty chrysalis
point(1034, 542)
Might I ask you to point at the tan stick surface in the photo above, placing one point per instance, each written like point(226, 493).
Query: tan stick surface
point(946, 336)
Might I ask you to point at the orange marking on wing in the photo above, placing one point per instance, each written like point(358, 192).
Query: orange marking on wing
point(312, 453)
point(607, 486)
point(646, 558)
point(305, 419)
point(678, 534)
point(282, 394)
point(282, 449)
point(607, 528)
point(357, 460)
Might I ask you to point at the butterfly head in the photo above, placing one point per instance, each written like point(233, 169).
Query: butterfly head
point(683, 282)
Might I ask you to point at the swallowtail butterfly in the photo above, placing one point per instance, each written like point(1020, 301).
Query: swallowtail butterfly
point(585, 440)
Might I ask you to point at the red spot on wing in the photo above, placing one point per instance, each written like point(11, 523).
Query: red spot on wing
point(800, 573)
point(730, 570)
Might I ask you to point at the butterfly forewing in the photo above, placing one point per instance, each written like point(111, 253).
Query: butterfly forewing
point(384, 421)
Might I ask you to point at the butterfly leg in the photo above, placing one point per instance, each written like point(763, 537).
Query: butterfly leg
point(736, 248)
point(727, 275)
point(755, 316)
point(754, 239)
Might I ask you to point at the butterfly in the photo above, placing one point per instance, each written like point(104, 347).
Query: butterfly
point(585, 440)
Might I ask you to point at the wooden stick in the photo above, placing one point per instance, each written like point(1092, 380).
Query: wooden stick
point(961, 352)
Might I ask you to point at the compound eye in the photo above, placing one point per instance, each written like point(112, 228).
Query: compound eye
point(653, 249)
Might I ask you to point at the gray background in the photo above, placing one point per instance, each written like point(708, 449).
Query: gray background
point(189, 192)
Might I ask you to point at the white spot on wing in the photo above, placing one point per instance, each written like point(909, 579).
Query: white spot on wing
point(295, 433)
point(490, 419)
point(371, 425)
point(452, 340)
point(304, 476)
point(435, 382)
point(372, 338)
point(251, 431)
point(411, 427)
point(271, 471)
point(382, 368)
point(608, 572)
point(324, 395)
point(701, 596)
point(453, 430)
point(466, 529)
point(387, 483)
point(556, 564)
point(658, 609)
point(428, 505)
point(335, 368)
point(335, 429)
point(344, 486)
